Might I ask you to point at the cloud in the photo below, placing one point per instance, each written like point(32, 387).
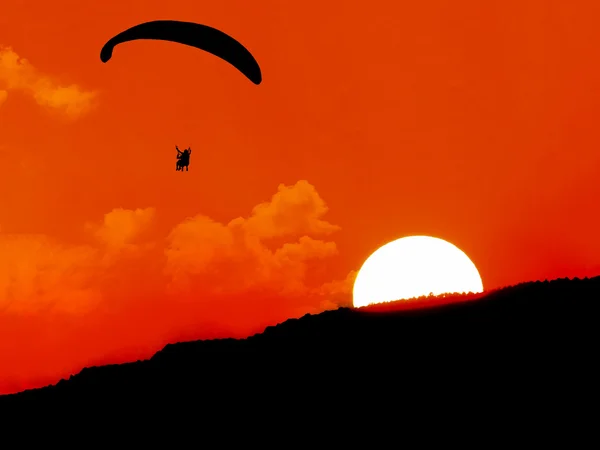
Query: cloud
point(38, 275)
point(292, 210)
point(121, 228)
point(200, 259)
point(129, 290)
point(205, 255)
point(337, 293)
point(19, 74)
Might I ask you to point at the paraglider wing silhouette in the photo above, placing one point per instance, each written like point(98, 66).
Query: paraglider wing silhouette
point(196, 35)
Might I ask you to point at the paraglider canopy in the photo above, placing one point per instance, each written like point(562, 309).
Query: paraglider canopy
point(195, 35)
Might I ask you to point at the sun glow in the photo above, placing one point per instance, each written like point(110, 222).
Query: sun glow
point(412, 267)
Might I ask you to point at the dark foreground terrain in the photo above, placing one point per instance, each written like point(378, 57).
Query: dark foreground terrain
point(523, 357)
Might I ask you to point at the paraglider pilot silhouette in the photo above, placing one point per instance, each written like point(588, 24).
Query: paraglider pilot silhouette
point(183, 159)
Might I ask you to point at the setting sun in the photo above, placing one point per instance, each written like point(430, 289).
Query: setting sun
point(412, 267)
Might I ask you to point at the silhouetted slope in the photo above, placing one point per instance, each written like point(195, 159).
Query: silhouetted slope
point(529, 346)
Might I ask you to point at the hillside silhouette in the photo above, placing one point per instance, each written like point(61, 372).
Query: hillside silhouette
point(529, 349)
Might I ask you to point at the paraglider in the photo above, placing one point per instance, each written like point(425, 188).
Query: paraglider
point(196, 35)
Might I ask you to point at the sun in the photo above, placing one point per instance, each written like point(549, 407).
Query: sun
point(414, 266)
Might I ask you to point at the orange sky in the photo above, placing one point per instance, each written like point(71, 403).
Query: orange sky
point(471, 121)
